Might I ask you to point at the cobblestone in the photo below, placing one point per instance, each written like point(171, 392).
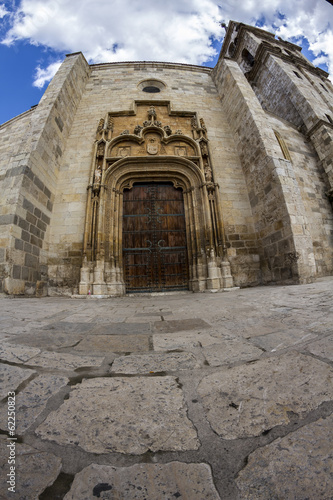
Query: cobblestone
point(104, 400)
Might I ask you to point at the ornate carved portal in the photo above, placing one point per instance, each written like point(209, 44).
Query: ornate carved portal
point(153, 161)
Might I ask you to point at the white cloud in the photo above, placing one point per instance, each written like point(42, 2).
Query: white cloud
point(45, 75)
point(160, 30)
point(323, 49)
point(3, 11)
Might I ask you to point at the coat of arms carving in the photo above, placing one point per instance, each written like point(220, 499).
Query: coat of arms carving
point(180, 151)
point(124, 151)
point(152, 146)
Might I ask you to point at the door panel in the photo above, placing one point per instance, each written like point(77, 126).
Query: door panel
point(154, 238)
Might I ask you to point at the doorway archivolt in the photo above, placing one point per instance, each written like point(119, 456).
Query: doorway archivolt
point(152, 156)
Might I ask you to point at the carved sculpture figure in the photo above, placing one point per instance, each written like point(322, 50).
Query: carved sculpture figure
point(168, 130)
point(97, 175)
point(100, 125)
point(202, 125)
point(208, 173)
point(110, 123)
point(151, 114)
point(100, 149)
point(138, 129)
point(204, 149)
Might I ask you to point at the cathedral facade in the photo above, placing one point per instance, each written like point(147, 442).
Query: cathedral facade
point(154, 177)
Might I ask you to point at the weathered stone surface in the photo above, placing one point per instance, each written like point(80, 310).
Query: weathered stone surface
point(230, 351)
point(143, 320)
point(152, 313)
point(178, 325)
point(251, 326)
point(126, 415)
point(32, 400)
point(322, 348)
point(34, 471)
point(64, 361)
point(297, 466)
point(323, 325)
point(249, 399)
point(172, 341)
point(47, 340)
point(70, 327)
point(144, 481)
point(14, 286)
point(146, 363)
point(114, 343)
point(11, 377)
point(16, 353)
point(280, 340)
point(124, 328)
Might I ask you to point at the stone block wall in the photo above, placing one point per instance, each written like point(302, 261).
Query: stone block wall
point(312, 187)
point(188, 88)
point(279, 215)
point(12, 140)
point(32, 164)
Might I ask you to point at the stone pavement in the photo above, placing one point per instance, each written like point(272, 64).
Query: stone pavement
point(189, 396)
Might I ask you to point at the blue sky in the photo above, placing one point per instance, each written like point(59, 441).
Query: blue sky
point(35, 35)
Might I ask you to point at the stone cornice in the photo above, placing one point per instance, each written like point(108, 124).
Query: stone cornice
point(18, 117)
point(152, 64)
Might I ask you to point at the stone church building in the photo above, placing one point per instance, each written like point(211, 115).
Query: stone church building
point(149, 176)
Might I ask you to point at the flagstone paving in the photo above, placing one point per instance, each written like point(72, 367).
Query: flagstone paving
point(193, 396)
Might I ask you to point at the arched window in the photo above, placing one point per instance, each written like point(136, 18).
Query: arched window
point(283, 146)
point(248, 57)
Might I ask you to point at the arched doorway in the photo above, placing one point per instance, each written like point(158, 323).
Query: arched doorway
point(153, 217)
point(154, 238)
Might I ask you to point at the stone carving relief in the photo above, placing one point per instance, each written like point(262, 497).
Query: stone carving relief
point(97, 176)
point(140, 136)
point(152, 146)
point(151, 114)
point(100, 149)
point(100, 129)
point(124, 151)
point(138, 129)
point(203, 127)
point(208, 171)
point(100, 125)
point(110, 123)
point(204, 148)
point(180, 151)
point(161, 143)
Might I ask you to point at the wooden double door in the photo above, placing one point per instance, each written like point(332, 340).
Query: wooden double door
point(154, 238)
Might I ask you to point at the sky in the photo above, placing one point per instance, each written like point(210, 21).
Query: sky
point(35, 35)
